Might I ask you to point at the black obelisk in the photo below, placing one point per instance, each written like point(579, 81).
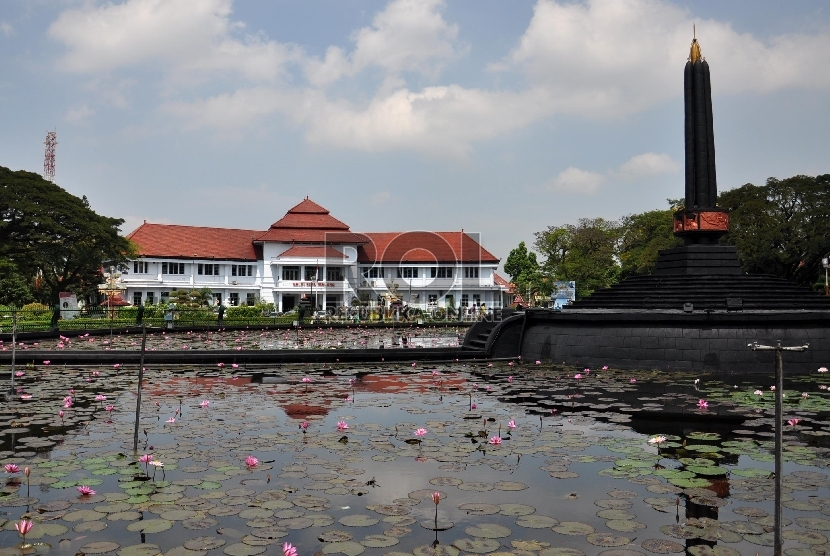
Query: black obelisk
point(700, 221)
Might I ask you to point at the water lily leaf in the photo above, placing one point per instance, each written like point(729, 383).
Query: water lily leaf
point(379, 541)
point(477, 545)
point(242, 549)
point(335, 535)
point(150, 525)
point(296, 523)
point(624, 525)
point(509, 486)
point(607, 539)
point(270, 533)
point(199, 523)
point(561, 551)
point(139, 550)
point(439, 550)
point(84, 515)
point(101, 547)
point(476, 486)
point(124, 516)
point(662, 546)
point(183, 551)
point(357, 520)
point(536, 521)
point(705, 550)
point(445, 481)
point(89, 527)
point(815, 523)
point(479, 508)
point(349, 548)
point(208, 485)
point(488, 531)
point(516, 509)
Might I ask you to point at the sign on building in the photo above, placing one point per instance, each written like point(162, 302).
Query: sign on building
point(563, 293)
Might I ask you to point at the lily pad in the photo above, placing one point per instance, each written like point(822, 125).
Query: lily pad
point(139, 550)
point(607, 539)
point(150, 526)
point(663, 546)
point(477, 545)
point(100, 547)
point(349, 548)
point(536, 521)
point(571, 528)
point(357, 520)
point(488, 531)
point(204, 543)
point(516, 509)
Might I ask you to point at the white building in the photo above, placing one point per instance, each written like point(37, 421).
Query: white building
point(309, 252)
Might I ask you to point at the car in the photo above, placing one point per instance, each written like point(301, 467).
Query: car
point(320, 316)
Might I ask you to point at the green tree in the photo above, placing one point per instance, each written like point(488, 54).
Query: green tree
point(585, 253)
point(525, 272)
point(642, 236)
point(55, 240)
point(13, 287)
point(780, 228)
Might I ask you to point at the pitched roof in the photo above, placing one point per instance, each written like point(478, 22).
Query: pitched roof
point(499, 281)
point(172, 241)
point(312, 252)
point(308, 222)
point(423, 247)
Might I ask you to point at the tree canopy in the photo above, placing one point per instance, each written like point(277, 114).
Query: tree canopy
point(52, 241)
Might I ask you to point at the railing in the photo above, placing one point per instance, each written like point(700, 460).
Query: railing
point(160, 316)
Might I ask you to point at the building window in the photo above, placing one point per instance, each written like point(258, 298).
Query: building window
point(165, 297)
point(141, 267)
point(291, 273)
point(242, 270)
point(136, 298)
point(172, 268)
point(208, 269)
point(311, 272)
point(233, 298)
point(476, 299)
point(441, 272)
point(470, 272)
point(465, 300)
point(250, 299)
point(334, 274)
point(407, 272)
point(150, 298)
point(432, 299)
point(373, 272)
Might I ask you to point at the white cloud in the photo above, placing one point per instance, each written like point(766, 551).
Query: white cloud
point(188, 35)
point(408, 35)
point(6, 29)
point(380, 198)
point(574, 180)
point(646, 165)
point(78, 113)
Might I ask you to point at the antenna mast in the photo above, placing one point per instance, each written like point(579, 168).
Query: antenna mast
point(49, 158)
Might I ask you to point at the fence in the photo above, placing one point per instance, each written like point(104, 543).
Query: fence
point(161, 316)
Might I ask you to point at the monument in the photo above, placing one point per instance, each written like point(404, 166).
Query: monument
point(697, 310)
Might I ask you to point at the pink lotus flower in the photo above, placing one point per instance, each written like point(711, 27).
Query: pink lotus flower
point(436, 497)
point(234, 365)
point(306, 379)
point(18, 374)
point(633, 380)
point(605, 367)
point(822, 369)
point(60, 414)
point(220, 365)
point(109, 407)
point(289, 549)
point(793, 422)
point(759, 392)
point(304, 425)
point(772, 388)
point(351, 382)
point(204, 403)
point(342, 425)
point(71, 391)
point(473, 406)
point(11, 468)
point(46, 362)
point(67, 405)
point(85, 490)
point(577, 376)
point(23, 527)
point(96, 373)
point(511, 424)
point(702, 404)
point(251, 461)
point(414, 364)
point(420, 432)
point(171, 420)
point(538, 362)
point(117, 366)
point(494, 440)
point(659, 439)
point(510, 378)
point(510, 363)
point(26, 397)
point(145, 458)
point(100, 398)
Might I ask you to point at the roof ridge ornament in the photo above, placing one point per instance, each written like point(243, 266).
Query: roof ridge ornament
point(694, 51)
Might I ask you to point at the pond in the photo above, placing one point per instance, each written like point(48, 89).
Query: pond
point(306, 338)
point(532, 460)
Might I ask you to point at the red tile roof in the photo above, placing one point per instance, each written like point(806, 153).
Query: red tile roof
point(313, 252)
point(499, 281)
point(307, 223)
point(195, 242)
point(423, 247)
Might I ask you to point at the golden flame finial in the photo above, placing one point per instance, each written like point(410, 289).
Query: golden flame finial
point(694, 52)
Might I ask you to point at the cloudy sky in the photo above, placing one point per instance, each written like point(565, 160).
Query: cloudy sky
point(496, 117)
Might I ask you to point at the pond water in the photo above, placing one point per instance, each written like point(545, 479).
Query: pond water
point(577, 474)
point(305, 338)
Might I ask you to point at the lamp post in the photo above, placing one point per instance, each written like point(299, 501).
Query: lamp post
point(826, 264)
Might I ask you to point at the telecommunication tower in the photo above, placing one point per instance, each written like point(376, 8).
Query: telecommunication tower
point(49, 158)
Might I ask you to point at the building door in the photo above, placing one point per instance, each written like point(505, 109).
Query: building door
point(288, 303)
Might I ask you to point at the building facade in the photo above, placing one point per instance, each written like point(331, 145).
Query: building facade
point(310, 253)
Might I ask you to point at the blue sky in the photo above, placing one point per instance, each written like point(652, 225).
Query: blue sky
point(496, 117)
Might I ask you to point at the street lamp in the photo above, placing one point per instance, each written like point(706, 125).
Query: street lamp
point(826, 263)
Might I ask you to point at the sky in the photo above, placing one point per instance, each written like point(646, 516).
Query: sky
point(500, 118)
